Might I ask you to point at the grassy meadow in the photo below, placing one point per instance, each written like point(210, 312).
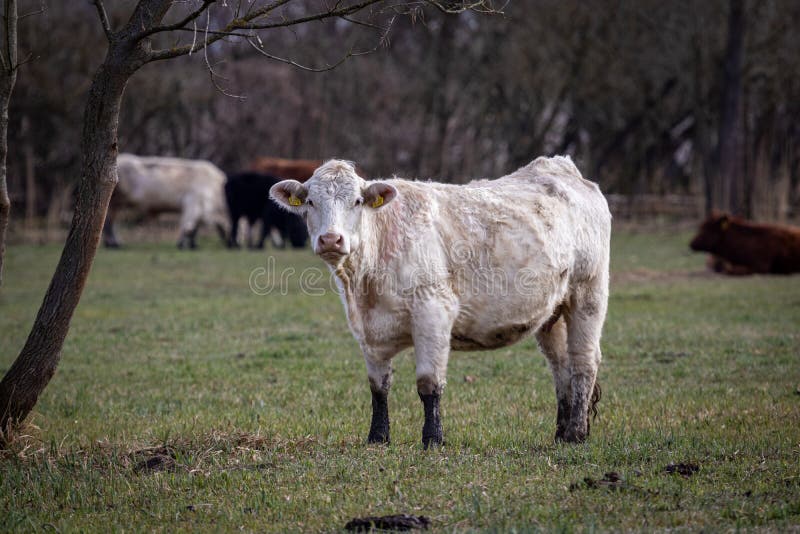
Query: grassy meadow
point(186, 401)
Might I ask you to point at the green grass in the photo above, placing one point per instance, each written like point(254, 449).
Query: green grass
point(263, 402)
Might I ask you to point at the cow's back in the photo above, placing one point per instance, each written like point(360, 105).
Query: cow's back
point(544, 215)
point(163, 184)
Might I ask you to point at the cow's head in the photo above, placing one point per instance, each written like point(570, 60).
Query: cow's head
point(332, 203)
point(711, 232)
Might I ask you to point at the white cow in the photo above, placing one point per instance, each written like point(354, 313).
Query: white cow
point(153, 185)
point(466, 267)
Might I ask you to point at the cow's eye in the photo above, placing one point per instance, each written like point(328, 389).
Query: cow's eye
point(310, 203)
point(359, 201)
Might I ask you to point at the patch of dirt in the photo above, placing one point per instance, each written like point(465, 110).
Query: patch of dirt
point(400, 522)
point(669, 356)
point(610, 480)
point(157, 462)
point(154, 459)
point(683, 469)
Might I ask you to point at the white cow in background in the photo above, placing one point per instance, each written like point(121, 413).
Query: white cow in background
point(153, 185)
point(478, 266)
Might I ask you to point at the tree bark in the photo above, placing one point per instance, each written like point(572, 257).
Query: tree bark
point(8, 78)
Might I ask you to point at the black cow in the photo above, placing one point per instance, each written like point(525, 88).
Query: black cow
point(247, 194)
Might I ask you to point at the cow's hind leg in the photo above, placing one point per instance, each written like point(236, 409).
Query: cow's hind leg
point(552, 338)
point(584, 326)
point(191, 215)
point(233, 237)
point(379, 372)
point(109, 235)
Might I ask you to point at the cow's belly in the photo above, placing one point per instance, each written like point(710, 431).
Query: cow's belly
point(492, 331)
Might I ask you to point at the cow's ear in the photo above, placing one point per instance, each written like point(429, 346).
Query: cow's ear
point(378, 194)
point(289, 194)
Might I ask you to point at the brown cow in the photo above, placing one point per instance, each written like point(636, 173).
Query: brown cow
point(291, 169)
point(742, 247)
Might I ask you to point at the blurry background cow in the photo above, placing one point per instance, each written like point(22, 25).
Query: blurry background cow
point(153, 185)
point(288, 169)
point(247, 194)
point(740, 247)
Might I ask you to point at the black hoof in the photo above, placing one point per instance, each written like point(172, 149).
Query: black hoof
point(379, 439)
point(573, 435)
point(432, 441)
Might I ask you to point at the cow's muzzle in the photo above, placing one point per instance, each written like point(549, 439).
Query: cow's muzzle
point(331, 246)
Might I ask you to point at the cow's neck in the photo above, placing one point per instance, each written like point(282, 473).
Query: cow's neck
point(377, 246)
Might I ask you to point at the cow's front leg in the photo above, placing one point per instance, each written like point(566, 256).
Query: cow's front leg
point(380, 382)
point(430, 393)
point(432, 324)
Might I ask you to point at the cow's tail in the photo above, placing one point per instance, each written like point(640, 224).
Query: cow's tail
point(597, 393)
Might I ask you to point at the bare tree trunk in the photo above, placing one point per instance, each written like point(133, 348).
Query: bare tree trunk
point(8, 76)
point(30, 181)
point(36, 364)
point(441, 105)
point(702, 162)
point(729, 157)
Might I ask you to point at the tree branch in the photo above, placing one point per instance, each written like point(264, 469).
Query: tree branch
point(344, 58)
point(101, 12)
point(246, 23)
point(180, 24)
point(250, 18)
point(32, 13)
point(211, 69)
point(323, 15)
point(11, 19)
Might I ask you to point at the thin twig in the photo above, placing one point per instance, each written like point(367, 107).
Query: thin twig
point(32, 13)
point(247, 24)
point(211, 69)
point(344, 58)
point(181, 23)
point(101, 12)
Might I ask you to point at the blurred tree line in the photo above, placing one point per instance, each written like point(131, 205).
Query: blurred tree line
point(690, 97)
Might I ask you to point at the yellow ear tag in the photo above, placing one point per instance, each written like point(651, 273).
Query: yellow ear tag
point(294, 201)
point(725, 225)
point(378, 202)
